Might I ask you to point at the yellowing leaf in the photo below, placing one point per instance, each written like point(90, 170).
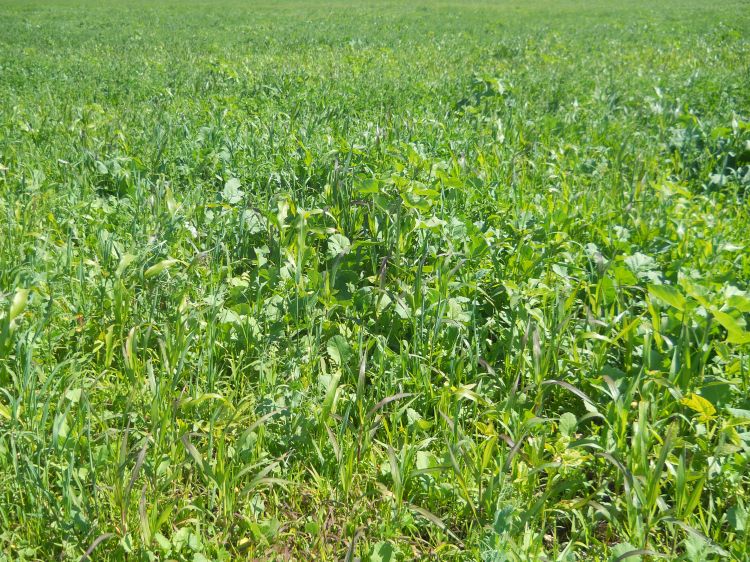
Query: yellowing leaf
point(125, 261)
point(19, 303)
point(702, 407)
point(159, 268)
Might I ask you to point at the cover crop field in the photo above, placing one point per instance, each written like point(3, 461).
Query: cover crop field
point(376, 281)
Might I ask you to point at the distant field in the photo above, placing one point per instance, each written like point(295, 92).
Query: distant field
point(377, 281)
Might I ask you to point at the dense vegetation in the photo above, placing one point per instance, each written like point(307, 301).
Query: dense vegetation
point(378, 280)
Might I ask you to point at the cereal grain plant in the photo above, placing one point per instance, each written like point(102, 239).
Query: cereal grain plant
point(377, 281)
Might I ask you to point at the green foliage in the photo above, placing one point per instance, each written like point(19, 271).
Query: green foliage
point(377, 281)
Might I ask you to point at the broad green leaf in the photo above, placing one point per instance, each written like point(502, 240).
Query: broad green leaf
point(623, 276)
point(695, 291)
point(232, 193)
point(382, 552)
point(622, 549)
point(338, 244)
point(643, 266)
point(426, 460)
point(339, 349)
point(737, 299)
point(669, 295)
point(433, 223)
point(180, 538)
point(736, 334)
point(739, 413)
point(369, 186)
point(60, 426)
point(163, 542)
point(737, 517)
point(414, 201)
point(568, 423)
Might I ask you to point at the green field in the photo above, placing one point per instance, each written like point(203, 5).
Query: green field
point(387, 281)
